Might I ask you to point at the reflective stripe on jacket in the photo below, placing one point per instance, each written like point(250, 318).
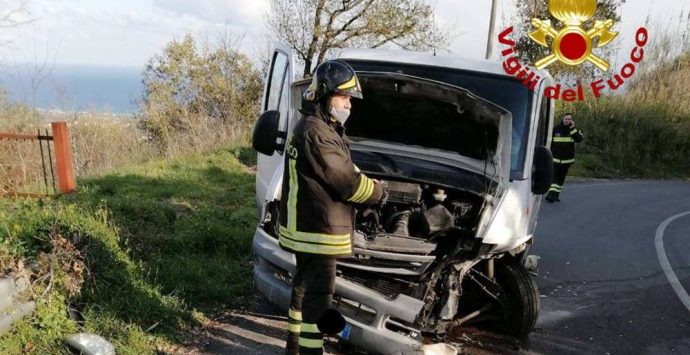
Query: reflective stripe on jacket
point(563, 144)
point(320, 186)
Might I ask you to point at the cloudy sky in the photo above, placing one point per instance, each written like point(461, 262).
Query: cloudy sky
point(128, 32)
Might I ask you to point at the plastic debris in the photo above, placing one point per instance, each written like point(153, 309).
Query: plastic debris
point(90, 344)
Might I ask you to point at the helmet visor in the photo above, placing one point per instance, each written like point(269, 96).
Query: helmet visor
point(350, 88)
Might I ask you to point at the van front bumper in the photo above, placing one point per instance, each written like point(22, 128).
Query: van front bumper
point(375, 323)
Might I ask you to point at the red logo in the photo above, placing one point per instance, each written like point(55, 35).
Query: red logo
point(572, 45)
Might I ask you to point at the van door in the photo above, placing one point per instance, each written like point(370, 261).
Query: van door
point(546, 108)
point(276, 97)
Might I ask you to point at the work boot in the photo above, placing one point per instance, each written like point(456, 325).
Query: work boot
point(557, 197)
point(550, 197)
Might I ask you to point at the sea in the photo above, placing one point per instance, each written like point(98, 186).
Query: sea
point(75, 88)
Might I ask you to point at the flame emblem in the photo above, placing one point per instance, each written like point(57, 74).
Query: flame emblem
point(572, 45)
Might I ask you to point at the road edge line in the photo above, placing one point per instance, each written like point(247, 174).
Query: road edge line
point(663, 260)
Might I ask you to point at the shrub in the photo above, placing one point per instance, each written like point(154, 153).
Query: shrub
point(198, 99)
point(623, 139)
point(644, 132)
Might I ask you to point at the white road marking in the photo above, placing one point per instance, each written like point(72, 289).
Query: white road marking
point(665, 265)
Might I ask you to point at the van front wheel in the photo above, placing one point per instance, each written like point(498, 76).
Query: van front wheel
point(521, 298)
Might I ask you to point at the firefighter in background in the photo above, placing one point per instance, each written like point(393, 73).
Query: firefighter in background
point(321, 185)
point(565, 135)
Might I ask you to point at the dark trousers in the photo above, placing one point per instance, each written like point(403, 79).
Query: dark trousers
point(560, 171)
point(312, 289)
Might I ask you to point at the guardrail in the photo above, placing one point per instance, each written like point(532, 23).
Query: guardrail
point(20, 171)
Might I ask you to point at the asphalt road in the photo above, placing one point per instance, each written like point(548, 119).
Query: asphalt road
point(603, 286)
point(604, 289)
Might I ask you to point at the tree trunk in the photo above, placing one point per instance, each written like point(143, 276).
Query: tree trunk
point(307, 66)
point(316, 33)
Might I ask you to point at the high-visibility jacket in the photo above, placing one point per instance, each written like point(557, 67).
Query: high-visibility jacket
point(320, 186)
point(563, 144)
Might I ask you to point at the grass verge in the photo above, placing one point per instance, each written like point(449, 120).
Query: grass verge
point(136, 252)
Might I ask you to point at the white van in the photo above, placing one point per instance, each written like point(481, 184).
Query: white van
point(463, 147)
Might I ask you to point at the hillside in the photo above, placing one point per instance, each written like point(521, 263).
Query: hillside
point(141, 253)
point(644, 133)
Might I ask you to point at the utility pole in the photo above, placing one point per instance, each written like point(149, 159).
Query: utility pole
point(492, 30)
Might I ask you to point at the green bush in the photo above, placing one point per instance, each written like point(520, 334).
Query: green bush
point(644, 131)
point(631, 139)
point(197, 98)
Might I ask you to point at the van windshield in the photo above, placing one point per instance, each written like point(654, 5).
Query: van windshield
point(506, 92)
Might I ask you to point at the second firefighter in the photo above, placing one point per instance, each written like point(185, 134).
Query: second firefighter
point(565, 135)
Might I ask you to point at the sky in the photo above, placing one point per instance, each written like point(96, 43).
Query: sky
point(129, 32)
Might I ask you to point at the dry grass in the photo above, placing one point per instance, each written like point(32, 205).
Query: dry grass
point(665, 76)
point(20, 161)
point(21, 167)
point(646, 131)
point(99, 145)
point(198, 134)
point(103, 144)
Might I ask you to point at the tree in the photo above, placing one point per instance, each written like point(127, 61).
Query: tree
point(530, 51)
point(315, 27)
point(16, 16)
point(187, 87)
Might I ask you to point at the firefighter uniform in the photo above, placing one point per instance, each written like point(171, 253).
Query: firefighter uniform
point(563, 150)
point(321, 185)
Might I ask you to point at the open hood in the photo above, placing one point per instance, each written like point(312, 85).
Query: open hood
point(421, 118)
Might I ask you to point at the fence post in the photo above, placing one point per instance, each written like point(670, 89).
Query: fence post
point(63, 157)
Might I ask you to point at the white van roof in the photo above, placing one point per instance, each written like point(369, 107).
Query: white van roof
point(426, 59)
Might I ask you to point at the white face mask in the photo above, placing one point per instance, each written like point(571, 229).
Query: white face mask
point(340, 115)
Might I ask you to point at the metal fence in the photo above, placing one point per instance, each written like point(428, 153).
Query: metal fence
point(36, 165)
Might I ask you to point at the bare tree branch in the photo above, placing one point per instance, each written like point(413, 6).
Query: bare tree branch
point(12, 18)
point(328, 41)
point(316, 33)
point(354, 18)
point(314, 28)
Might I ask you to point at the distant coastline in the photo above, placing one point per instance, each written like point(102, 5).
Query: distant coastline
point(76, 88)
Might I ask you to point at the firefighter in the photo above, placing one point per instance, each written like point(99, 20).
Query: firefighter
point(565, 135)
point(321, 186)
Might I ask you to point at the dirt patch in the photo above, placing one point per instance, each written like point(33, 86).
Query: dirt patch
point(257, 329)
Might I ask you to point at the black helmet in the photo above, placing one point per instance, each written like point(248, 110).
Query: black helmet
point(333, 76)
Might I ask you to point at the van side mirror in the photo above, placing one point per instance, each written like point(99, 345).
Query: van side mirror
point(266, 133)
point(542, 171)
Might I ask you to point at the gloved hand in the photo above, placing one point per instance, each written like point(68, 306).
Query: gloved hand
point(384, 196)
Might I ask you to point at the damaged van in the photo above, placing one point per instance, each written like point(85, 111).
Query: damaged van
point(463, 149)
